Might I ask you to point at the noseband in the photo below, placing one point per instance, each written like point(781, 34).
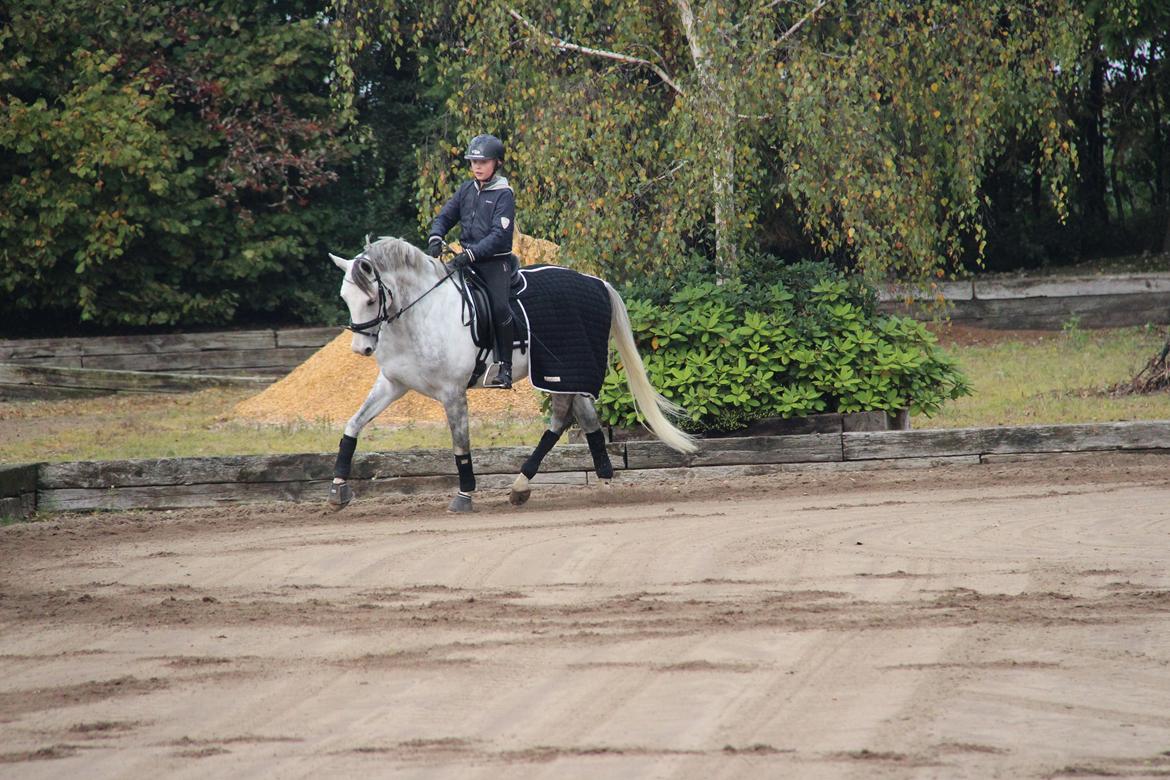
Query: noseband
point(384, 296)
point(371, 327)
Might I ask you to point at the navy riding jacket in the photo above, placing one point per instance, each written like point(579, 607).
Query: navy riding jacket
point(488, 217)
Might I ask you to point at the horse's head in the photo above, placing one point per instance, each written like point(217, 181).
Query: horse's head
point(368, 300)
point(385, 268)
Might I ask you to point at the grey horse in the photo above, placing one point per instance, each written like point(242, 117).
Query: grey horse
point(406, 312)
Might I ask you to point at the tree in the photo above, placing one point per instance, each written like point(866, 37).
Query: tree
point(640, 130)
point(159, 166)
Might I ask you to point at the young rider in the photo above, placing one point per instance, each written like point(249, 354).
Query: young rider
point(486, 208)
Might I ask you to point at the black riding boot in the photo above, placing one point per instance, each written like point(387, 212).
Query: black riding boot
point(503, 379)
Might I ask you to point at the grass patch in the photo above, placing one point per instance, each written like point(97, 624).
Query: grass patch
point(159, 426)
point(1019, 379)
point(1053, 378)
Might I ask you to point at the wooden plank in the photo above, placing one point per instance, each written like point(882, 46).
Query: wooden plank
point(208, 361)
point(683, 474)
point(307, 337)
point(19, 478)
point(139, 345)
point(983, 441)
point(186, 471)
point(866, 421)
point(1104, 311)
point(59, 362)
point(813, 447)
point(180, 342)
point(174, 496)
point(1071, 286)
point(909, 463)
point(786, 426)
point(487, 486)
point(39, 349)
point(20, 507)
point(304, 491)
point(115, 381)
point(304, 466)
point(1071, 458)
point(962, 290)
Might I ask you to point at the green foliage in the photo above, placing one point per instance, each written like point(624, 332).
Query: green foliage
point(173, 164)
point(638, 131)
point(795, 341)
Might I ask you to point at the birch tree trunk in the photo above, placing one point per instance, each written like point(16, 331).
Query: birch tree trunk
point(715, 100)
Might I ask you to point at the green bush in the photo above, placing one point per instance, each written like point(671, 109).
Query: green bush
point(789, 342)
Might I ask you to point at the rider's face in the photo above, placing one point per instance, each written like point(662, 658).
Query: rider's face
point(483, 170)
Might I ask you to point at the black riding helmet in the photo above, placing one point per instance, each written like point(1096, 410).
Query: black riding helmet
point(485, 147)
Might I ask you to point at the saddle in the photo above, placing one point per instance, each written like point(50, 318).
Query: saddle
point(477, 315)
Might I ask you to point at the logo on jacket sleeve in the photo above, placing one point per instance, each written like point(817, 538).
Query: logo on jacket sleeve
point(504, 222)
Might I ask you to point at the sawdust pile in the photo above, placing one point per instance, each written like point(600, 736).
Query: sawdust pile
point(331, 385)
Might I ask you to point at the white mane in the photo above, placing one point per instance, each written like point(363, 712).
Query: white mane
point(390, 253)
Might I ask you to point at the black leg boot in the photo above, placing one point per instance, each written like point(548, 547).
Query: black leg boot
point(503, 379)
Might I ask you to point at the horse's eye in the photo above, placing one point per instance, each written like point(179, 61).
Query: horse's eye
point(370, 301)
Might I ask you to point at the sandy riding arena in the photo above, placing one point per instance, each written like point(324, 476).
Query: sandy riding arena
point(1007, 620)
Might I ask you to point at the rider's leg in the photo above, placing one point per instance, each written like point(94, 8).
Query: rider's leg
point(497, 274)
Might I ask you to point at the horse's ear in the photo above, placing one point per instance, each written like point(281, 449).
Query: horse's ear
point(340, 262)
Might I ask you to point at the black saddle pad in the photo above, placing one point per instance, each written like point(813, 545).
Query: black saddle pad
point(568, 316)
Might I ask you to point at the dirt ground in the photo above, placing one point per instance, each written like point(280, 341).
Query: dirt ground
point(1007, 620)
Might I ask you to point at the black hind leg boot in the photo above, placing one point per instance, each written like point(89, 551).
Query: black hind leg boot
point(601, 462)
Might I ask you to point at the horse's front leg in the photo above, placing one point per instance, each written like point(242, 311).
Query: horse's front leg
point(382, 394)
point(590, 423)
point(456, 409)
point(561, 408)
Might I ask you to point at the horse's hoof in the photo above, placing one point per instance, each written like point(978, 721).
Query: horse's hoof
point(340, 494)
point(460, 503)
point(519, 497)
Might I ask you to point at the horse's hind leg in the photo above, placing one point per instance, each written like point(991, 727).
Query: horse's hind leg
point(382, 394)
point(590, 423)
point(456, 408)
point(561, 408)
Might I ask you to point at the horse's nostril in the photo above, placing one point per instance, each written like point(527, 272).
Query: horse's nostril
point(369, 351)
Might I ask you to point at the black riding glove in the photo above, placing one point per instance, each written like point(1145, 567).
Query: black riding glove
point(461, 260)
point(435, 246)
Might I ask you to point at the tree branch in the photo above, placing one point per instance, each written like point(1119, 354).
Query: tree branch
point(563, 45)
point(800, 23)
point(645, 186)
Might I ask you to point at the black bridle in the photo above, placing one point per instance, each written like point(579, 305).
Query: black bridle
point(386, 296)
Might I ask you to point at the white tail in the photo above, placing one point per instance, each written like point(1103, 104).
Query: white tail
point(653, 406)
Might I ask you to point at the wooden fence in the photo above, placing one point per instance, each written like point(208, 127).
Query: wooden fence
point(176, 363)
point(230, 353)
point(1046, 303)
point(190, 482)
